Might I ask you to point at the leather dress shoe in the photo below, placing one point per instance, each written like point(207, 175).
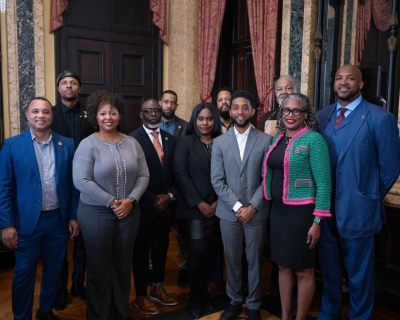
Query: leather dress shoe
point(253, 314)
point(162, 296)
point(79, 291)
point(145, 305)
point(207, 301)
point(61, 299)
point(272, 298)
point(193, 307)
point(232, 312)
point(49, 315)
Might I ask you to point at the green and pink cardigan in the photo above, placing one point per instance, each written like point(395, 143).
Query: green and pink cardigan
point(306, 170)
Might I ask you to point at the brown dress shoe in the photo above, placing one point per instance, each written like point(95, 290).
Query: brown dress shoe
point(162, 296)
point(145, 305)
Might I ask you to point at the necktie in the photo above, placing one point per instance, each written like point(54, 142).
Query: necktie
point(157, 146)
point(340, 117)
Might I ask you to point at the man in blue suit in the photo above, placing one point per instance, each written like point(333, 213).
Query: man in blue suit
point(363, 142)
point(38, 205)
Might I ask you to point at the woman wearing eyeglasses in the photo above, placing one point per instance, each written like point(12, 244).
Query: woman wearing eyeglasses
point(111, 173)
point(298, 183)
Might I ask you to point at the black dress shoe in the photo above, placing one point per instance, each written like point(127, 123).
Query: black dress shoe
point(182, 278)
point(61, 299)
point(253, 314)
point(273, 298)
point(49, 315)
point(194, 313)
point(193, 307)
point(232, 312)
point(79, 291)
point(207, 301)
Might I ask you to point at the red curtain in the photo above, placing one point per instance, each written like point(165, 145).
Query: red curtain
point(211, 15)
point(57, 8)
point(263, 21)
point(159, 9)
point(380, 11)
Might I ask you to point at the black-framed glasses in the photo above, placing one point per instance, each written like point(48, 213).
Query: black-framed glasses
point(150, 111)
point(295, 112)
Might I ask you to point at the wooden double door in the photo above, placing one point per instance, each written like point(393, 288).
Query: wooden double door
point(112, 45)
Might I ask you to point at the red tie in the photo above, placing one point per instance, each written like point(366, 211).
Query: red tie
point(157, 146)
point(340, 117)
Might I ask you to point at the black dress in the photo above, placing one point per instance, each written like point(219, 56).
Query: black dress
point(289, 223)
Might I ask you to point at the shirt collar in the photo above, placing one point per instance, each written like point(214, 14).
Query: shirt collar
point(34, 137)
point(75, 109)
point(168, 123)
point(351, 106)
point(149, 131)
point(246, 133)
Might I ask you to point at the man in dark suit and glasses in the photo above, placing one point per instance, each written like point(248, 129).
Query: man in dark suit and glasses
point(155, 207)
point(70, 120)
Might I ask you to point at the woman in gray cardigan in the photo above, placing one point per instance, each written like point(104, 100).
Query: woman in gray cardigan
point(111, 173)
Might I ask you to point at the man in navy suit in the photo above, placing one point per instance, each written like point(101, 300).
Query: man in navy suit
point(363, 142)
point(38, 205)
point(155, 206)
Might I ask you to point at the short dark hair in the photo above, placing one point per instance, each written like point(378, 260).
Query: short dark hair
point(243, 94)
point(378, 100)
point(169, 92)
point(102, 97)
point(216, 93)
point(40, 98)
point(192, 127)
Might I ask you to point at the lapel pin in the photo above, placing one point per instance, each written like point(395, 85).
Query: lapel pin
point(179, 127)
point(362, 117)
point(60, 143)
point(166, 138)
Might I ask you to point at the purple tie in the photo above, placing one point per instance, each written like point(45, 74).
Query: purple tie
point(340, 117)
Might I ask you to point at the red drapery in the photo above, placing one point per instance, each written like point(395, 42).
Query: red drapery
point(159, 9)
point(211, 15)
point(263, 21)
point(57, 8)
point(380, 11)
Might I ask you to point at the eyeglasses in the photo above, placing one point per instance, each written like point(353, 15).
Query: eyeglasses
point(295, 112)
point(150, 111)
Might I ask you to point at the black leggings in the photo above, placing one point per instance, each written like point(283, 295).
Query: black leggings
point(200, 264)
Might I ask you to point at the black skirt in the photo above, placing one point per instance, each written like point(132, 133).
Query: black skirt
point(200, 228)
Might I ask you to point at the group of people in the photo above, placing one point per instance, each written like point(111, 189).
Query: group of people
point(316, 181)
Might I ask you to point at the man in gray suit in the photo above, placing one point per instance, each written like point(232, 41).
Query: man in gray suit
point(236, 168)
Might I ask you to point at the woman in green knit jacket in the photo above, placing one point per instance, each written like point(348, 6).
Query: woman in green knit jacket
point(298, 183)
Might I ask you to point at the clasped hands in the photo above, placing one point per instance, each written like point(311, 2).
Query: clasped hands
point(122, 207)
point(208, 210)
point(245, 214)
point(162, 202)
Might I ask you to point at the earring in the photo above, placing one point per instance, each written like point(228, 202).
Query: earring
point(305, 123)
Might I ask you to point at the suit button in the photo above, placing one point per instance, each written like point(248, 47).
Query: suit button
point(241, 178)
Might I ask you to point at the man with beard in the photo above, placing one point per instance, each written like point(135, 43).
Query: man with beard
point(222, 99)
point(177, 127)
point(283, 86)
point(169, 121)
point(70, 120)
point(155, 207)
point(236, 165)
point(363, 141)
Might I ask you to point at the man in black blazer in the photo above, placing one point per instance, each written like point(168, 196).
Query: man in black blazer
point(177, 127)
point(155, 206)
point(70, 120)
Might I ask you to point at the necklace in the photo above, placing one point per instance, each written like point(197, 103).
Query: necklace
point(287, 140)
point(118, 147)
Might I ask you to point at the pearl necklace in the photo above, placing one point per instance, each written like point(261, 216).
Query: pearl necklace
point(118, 147)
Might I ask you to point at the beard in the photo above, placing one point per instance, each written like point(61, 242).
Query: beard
point(241, 124)
point(151, 126)
point(224, 114)
point(167, 116)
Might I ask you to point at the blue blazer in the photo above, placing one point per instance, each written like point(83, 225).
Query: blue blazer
point(367, 166)
point(20, 185)
point(161, 176)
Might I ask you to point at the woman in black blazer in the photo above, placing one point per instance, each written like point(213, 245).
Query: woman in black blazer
point(198, 201)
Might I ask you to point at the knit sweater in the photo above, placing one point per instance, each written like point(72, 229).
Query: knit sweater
point(104, 171)
point(306, 170)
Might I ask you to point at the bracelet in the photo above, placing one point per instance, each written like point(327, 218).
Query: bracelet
point(114, 205)
point(134, 202)
point(318, 221)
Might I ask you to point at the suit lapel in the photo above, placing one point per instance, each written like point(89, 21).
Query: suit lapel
point(360, 114)
point(30, 153)
point(166, 148)
point(251, 140)
point(58, 120)
point(233, 146)
point(325, 120)
point(82, 122)
point(58, 150)
point(198, 149)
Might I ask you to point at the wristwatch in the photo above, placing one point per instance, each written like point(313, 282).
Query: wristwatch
point(318, 221)
point(171, 195)
point(134, 202)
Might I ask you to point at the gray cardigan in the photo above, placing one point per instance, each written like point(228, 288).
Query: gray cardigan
point(103, 171)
